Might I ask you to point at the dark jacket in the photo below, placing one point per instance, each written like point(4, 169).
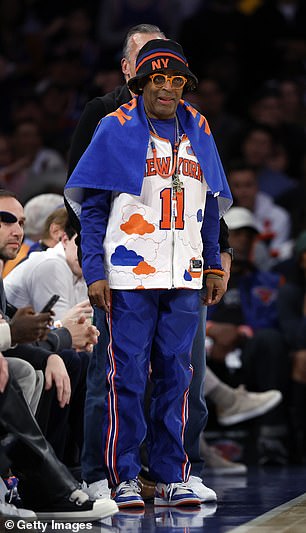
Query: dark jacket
point(37, 353)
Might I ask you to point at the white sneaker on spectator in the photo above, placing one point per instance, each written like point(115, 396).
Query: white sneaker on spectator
point(247, 405)
point(215, 463)
point(205, 494)
point(98, 489)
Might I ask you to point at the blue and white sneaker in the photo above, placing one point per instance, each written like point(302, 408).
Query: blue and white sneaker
point(204, 493)
point(126, 495)
point(175, 494)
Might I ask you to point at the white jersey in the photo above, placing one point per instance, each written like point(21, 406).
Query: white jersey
point(154, 240)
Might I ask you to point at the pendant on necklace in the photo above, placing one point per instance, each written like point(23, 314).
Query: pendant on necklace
point(177, 184)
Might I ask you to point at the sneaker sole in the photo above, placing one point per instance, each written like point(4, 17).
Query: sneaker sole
point(260, 410)
point(101, 509)
point(187, 502)
point(131, 505)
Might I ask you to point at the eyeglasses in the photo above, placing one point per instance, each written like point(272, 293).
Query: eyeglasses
point(160, 80)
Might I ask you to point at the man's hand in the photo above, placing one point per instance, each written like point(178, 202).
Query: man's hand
point(28, 326)
point(4, 373)
point(99, 294)
point(83, 335)
point(82, 308)
point(56, 372)
point(215, 288)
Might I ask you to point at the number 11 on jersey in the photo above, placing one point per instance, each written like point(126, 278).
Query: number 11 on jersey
point(176, 205)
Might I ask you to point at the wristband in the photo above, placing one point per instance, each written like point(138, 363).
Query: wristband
point(213, 276)
point(216, 271)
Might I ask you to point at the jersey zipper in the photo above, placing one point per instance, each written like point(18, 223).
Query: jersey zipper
point(173, 219)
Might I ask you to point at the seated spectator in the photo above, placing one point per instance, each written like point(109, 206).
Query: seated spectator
point(246, 322)
point(272, 221)
point(54, 271)
point(53, 231)
point(46, 485)
point(292, 312)
point(36, 212)
point(61, 365)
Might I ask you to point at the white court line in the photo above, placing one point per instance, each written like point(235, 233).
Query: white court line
point(260, 520)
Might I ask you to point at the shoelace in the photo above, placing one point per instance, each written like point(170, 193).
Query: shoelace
point(78, 497)
point(175, 486)
point(125, 486)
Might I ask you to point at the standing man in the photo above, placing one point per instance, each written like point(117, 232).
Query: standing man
point(141, 191)
point(92, 457)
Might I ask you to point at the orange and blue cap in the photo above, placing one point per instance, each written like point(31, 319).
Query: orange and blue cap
point(160, 55)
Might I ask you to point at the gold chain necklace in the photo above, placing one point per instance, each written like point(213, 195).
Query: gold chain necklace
point(177, 184)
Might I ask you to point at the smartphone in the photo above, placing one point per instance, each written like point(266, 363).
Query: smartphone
point(50, 303)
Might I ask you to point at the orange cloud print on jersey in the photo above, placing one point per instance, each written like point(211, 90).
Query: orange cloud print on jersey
point(144, 268)
point(137, 224)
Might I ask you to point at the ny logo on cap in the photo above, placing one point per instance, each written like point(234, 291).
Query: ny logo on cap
point(158, 63)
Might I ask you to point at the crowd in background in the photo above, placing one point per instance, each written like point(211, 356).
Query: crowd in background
point(251, 84)
point(250, 58)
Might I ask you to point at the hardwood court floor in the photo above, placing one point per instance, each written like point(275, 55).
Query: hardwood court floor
point(267, 500)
